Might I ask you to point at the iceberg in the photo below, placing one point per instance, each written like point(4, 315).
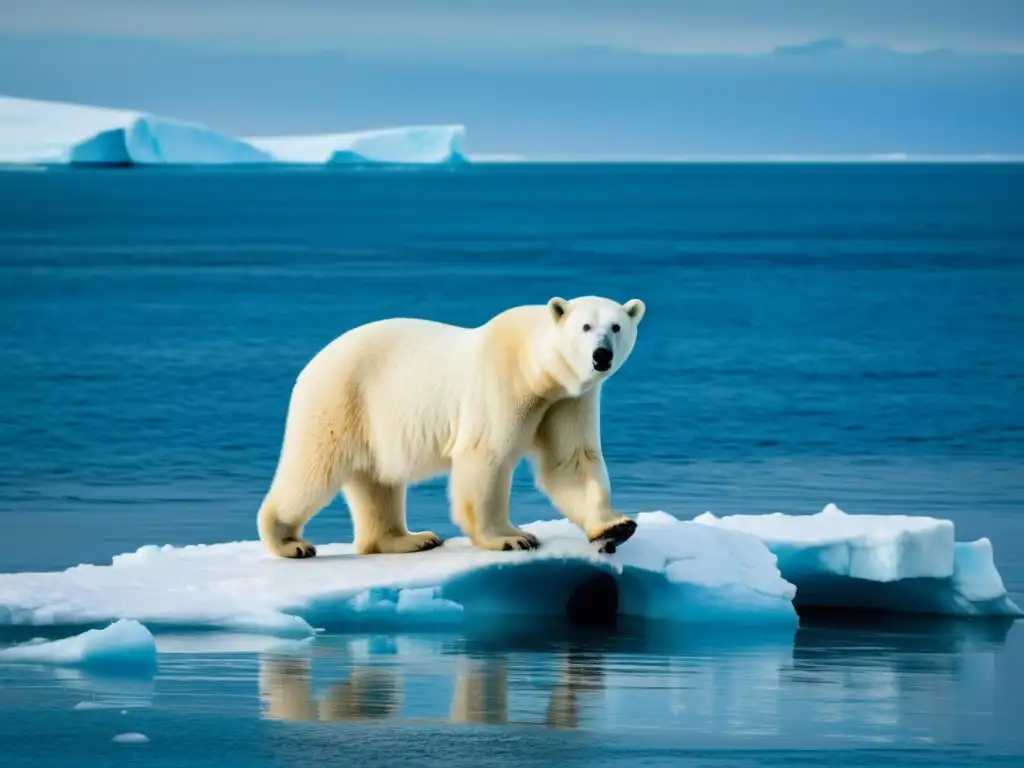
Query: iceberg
point(34, 132)
point(41, 132)
point(411, 145)
point(672, 571)
point(889, 563)
point(123, 644)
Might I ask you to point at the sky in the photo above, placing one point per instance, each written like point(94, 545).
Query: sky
point(548, 78)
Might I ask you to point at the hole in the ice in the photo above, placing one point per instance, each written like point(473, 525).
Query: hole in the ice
point(595, 602)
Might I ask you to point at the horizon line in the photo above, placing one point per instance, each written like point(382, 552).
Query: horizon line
point(486, 158)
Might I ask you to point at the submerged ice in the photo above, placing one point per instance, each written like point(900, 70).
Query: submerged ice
point(740, 570)
point(882, 562)
point(48, 132)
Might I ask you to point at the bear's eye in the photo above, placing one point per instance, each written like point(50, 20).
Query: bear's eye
point(615, 328)
point(586, 328)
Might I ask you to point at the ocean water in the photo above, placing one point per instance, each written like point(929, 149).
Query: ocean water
point(814, 334)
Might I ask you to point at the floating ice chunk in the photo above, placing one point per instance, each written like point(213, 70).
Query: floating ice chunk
point(883, 562)
point(51, 132)
point(733, 570)
point(122, 644)
point(671, 571)
point(131, 738)
point(82, 705)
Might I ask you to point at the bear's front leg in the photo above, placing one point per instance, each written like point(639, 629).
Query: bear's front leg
point(579, 490)
point(479, 488)
point(570, 470)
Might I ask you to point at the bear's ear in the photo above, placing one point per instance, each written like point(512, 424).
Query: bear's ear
point(635, 309)
point(557, 308)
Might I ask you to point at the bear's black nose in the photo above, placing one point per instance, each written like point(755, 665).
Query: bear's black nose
point(602, 358)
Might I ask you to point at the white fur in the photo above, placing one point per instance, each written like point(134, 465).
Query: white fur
point(397, 401)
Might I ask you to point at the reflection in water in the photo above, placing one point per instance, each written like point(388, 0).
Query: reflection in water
point(891, 682)
point(482, 689)
point(110, 691)
point(583, 673)
point(286, 690)
point(893, 679)
point(480, 694)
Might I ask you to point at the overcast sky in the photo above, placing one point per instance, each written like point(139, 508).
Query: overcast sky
point(695, 26)
point(548, 76)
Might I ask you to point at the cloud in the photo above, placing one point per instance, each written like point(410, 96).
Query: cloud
point(540, 76)
point(492, 27)
point(814, 48)
point(592, 101)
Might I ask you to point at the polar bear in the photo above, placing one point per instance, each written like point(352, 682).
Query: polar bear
point(398, 401)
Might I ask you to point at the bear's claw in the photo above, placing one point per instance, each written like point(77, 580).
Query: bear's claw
point(429, 544)
point(526, 541)
point(303, 549)
point(610, 538)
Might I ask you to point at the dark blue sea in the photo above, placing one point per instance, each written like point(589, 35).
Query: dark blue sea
point(814, 333)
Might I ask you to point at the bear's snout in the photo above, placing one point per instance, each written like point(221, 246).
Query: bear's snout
point(602, 359)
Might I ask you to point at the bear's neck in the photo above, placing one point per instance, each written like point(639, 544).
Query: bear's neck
point(547, 374)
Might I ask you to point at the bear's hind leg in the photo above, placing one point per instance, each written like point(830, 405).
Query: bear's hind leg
point(281, 520)
point(378, 517)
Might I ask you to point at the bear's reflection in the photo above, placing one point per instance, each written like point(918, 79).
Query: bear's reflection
point(480, 695)
point(285, 688)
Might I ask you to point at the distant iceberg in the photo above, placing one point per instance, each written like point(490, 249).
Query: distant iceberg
point(57, 133)
point(735, 571)
point(893, 563)
point(411, 145)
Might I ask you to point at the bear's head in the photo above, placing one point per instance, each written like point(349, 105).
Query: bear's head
point(594, 335)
